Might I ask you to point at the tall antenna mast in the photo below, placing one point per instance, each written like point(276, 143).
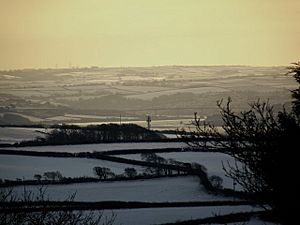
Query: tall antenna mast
point(148, 121)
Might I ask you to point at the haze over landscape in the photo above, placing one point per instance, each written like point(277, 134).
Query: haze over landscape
point(170, 94)
point(109, 111)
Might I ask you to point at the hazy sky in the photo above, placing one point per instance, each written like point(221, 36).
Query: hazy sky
point(46, 33)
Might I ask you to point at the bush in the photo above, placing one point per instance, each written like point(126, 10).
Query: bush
point(130, 172)
point(52, 175)
point(103, 172)
point(216, 181)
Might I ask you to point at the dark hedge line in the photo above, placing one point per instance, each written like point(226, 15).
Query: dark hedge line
point(223, 219)
point(71, 134)
point(8, 207)
point(70, 180)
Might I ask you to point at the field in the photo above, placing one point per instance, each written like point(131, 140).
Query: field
point(168, 215)
point(169, 94)
point(165, 189)
point(16, 134)
point(181, 189)
point(25, 167)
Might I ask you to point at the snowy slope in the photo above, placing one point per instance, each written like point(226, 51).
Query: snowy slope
point(24, 167)
point(154, 190)
point(167, 215)
point(16, 134)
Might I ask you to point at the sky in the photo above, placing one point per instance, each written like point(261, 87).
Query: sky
point(108, 33)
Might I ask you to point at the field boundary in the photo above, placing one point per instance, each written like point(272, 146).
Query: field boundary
point(223, 219)
point(13, 207)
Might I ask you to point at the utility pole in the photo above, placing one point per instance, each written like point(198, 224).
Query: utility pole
point(120, 119)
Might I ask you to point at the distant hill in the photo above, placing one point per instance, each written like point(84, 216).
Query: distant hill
point(97, 95)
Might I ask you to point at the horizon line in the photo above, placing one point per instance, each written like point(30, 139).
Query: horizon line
point(131, 66)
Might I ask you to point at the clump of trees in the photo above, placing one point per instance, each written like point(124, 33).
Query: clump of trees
point(38, 177)
point(265, 142)
point(53, 175)
point(216, 181)
point(158, 168)
point(72, 134)
point(49, 175)
point(130, 172)
point(158, 161)
point(103, 172)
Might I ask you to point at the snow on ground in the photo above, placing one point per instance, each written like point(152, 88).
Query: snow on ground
point(103, 147)
point(170, 136)
point(24, 167)
point(253, 221)
point(168, 215)
point(15, 134)
point(154, 190)
point(211, 161)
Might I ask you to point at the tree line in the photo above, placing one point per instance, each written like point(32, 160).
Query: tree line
point(72, 134)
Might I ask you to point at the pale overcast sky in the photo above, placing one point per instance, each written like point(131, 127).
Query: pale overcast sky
point(49, 33)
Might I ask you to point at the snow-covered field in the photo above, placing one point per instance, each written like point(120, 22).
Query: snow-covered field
point(103, 147)
point(212, 162)
point(15, 134)
point(253, 221)
point(155, 190)
point(25, 167)
point(168, 215)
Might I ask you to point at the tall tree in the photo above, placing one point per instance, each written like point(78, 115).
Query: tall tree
point(295, 71)
point(264, 142)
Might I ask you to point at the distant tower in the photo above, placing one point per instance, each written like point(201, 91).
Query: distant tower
point(148, 121)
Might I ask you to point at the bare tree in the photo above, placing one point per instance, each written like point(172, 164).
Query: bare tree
point(264, 142)
point(65, 217)
point(294, 70)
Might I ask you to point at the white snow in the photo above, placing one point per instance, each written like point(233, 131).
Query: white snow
point(168, 215)
point(15, 134)
point(154, 190)
point(25, 167)
point(252, 221)
point(170, 136)
point(103, 147)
